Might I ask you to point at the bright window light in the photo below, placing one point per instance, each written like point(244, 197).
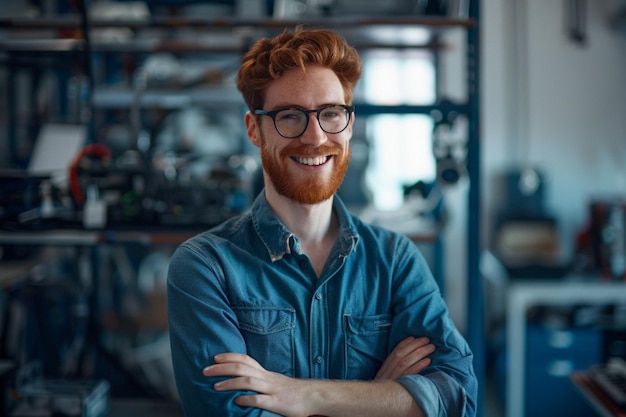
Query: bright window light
point(400, 145)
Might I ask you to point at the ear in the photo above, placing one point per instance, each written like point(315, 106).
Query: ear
point(253, 130)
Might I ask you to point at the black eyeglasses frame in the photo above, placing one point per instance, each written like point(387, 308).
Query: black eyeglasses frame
point(273, 113)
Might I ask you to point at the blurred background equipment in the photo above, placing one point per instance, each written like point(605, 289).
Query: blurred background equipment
point(601, 246)
point(526, 238)
point(40, 396)
point(152, 84)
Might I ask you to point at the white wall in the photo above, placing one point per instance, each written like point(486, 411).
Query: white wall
point(547, 102)
point(555, 104)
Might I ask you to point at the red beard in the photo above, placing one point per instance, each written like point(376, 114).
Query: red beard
point(311, 189)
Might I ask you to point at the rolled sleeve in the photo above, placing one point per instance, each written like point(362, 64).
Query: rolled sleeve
point(439, 395)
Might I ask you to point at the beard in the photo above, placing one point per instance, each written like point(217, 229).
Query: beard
point(306, 189)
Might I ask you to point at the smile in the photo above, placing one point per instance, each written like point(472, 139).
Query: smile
point(311, 161)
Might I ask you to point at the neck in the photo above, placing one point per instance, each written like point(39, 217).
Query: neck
point(311, 223)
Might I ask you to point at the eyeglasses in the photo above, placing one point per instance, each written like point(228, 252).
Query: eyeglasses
point(291, 123)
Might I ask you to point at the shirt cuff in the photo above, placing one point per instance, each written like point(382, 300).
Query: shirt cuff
point(437, 394)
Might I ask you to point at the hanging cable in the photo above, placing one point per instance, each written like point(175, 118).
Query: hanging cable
point(577, 18)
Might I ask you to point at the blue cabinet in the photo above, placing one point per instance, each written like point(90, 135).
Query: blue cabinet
point(551, 356)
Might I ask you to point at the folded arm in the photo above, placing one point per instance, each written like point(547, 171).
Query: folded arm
point(306, 397)
point(293, 397)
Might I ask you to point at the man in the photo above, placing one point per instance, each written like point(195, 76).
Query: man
point(298, 308)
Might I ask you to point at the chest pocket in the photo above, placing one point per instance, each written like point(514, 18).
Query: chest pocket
point(365, 344)
point(269, 336)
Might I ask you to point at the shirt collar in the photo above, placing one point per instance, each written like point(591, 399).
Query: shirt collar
point(279, 241)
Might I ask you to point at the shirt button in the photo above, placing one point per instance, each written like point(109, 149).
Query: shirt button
point(318, 360)
point(302, 264)
point(318, 296)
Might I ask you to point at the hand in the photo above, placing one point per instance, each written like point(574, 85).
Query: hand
point(275, 392)
point(408, 358)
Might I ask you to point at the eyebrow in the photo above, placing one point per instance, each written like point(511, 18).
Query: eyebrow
point(295, 106)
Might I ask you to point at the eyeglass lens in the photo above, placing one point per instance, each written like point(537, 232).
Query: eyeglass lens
point(293, 122)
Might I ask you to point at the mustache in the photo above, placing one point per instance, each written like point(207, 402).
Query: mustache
point(304, 150)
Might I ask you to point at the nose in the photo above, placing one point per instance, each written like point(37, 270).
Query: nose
point(313, 134)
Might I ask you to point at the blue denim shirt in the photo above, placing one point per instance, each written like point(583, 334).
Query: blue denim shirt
point(245, 287)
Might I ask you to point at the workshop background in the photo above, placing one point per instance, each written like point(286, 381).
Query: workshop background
point(490, 132)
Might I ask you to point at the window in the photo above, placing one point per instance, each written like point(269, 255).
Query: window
point(400, 145)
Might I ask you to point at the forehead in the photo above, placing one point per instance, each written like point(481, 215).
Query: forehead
point(310, 89)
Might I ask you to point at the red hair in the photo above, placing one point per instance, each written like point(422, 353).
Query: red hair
point(269, 58)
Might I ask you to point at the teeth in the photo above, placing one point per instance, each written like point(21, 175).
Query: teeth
point(318, 160)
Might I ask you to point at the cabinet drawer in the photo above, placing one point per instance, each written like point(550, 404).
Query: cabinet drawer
point(552, 355)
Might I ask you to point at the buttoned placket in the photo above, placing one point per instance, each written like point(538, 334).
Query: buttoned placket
point(319, 321)
point(319, 333)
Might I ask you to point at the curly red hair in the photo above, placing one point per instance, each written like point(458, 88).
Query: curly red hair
point(268, 58)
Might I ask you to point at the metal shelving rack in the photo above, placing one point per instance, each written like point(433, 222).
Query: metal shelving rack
point(356, 30)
